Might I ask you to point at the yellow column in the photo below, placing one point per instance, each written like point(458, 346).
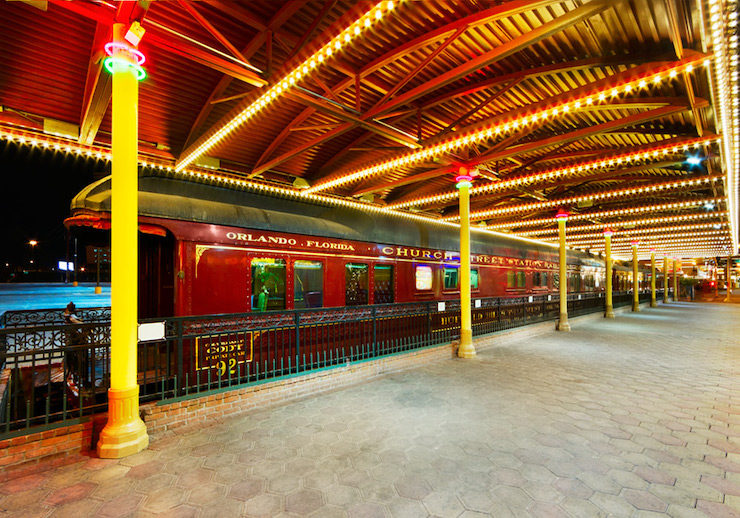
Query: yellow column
point(728, 297)
point(563, 324)
point(715, 274)
point(608, 245)
point(666, 279)
point(466, 349)
point(675, 279)
point(125, 432)
point(635, 281)
point(653, 303)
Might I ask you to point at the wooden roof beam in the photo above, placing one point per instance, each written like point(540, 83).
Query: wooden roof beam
point(98, 89)
point(190, 8)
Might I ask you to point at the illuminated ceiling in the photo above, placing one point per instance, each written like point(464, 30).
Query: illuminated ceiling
point(622, 112)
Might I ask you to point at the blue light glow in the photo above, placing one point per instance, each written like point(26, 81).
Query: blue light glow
point(693, 160)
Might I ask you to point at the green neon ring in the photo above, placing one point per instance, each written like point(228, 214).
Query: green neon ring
point(109, 62)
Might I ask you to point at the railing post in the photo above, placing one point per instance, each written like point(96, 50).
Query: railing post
point(429, 323)
point(179, 358)
point(297, 323)
point(375, 331)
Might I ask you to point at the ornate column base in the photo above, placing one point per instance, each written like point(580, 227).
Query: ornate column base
point(125, 432)
point(609, 313)
point(653, 303)
point(98, 290)
point(563, 324)
point(636, 307)
point(466, 349)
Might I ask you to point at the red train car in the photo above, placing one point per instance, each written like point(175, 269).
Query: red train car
point(207, 249)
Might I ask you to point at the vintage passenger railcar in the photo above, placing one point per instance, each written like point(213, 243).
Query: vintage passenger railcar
point(207, 249)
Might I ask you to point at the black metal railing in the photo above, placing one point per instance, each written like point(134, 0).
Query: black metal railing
point(59, 372)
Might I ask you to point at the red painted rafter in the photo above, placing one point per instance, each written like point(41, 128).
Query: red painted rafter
point(502, 51)
point(190, 8)
point(249, 50)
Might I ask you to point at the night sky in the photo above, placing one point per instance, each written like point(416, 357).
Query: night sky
point(37, 187)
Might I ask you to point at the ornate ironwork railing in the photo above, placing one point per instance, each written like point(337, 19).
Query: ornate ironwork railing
point(57, 372)
point(40, 317)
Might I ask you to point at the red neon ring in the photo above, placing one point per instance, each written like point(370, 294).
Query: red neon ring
point(112, 45)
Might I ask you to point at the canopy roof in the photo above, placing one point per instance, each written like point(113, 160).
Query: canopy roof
point(621, 112)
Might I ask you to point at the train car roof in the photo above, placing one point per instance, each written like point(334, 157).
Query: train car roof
point(170, 198)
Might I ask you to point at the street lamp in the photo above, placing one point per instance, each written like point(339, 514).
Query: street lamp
point(33, 244)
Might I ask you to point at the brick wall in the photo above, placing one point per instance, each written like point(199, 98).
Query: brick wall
point(45, 450)
point(169, 417)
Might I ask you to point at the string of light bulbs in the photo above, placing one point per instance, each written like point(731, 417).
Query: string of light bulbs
point(649, 232)
point(630, 223)
point(608, 213)
point(653, 153)
point(666, 186)
point(725, 86)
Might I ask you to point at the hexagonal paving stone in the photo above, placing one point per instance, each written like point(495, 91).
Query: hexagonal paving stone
point(164, 499)
point(194, 478)
point(443, 504)
point(70, 494)
point(509, 477)
point(547, 510)
point(644, 500)
point(476, 499)
point(366, 510)
point(122, 505)
point(378, 491)
point(304, 502)
point(264, 505)
point(342, 496)
point(206, 493)
point(246, 488)
point(413, 488)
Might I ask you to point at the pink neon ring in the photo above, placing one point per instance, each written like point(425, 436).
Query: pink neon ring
point(463, 178)
point(112, 45)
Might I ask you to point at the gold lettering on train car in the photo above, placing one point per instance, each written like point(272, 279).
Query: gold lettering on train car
point(402, 252)
point(223, 353)
point(387, 250)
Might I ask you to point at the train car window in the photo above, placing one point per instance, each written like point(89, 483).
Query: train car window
point(543, 279)
point(536, 280)
point(268, 284)
point(521, 280)
point(383, 283)
point(555, 281)
point(356, 284)
point(423, 276)
point(451, 278)
point(308, 284)
point(474, 278)
point(510, 279)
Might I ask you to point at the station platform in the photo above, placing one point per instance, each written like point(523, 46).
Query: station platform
point(632, 417)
